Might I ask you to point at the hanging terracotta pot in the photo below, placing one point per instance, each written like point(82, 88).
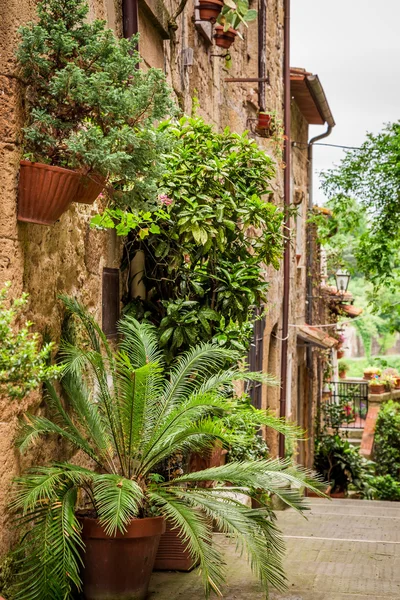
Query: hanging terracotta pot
point(210, 9)
point(45, 192)
point(264, 120)
point(90, 186)
point(224, 39)
point(340, 353)
point(120, 566)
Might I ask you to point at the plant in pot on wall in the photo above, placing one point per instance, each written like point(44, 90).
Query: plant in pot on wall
point(126, 415)
point(343, 367)
point(372, 372)
point(89, 112)
point(231, 17)
point(377, 386)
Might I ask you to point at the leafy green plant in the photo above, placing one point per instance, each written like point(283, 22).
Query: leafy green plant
point(216, 234)
point(126, 415)
point(338, 462)
point(343, 367)
point(385, 487)
point(335, 459)
point(23, 363)
point(235, 14)
point(373, 371)
point(89, 106)
point(387, 440)
point(369, 176)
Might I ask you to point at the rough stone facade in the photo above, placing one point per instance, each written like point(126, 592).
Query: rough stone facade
point(69, 257)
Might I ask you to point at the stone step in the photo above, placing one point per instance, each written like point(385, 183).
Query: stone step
point(355, 442)
point(355, 433)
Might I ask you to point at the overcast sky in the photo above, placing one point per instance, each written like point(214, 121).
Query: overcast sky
point(354, 48)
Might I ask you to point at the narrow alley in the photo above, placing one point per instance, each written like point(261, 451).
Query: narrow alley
point(344, 550)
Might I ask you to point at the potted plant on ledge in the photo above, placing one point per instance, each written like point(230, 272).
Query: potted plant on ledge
point(377, 386)
point(372, 372)
point(97, 527)
point(231, 17)
point(89, 111)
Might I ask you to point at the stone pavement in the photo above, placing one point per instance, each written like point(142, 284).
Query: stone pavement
point(344, 550)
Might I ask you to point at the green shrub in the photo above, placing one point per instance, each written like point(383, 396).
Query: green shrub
point(89, 107)
point(385, 487)
point(387, 440)
point(213, 237)
point(23, 363)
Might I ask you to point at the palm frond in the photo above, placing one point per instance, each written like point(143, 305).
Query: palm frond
point(189, 372)
point(254, 531)
point(196, 533)
point(268, 476)
point(51, 563)
point(93, 329)
point(87, 415)
point(189, 421)
point(139, 342)
point(39, 484)
point(118, 501)
point(33, 426)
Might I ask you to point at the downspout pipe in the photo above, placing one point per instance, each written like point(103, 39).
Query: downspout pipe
point(130, 18)
point(286, 193)
point(262, 54)
point(309, 276)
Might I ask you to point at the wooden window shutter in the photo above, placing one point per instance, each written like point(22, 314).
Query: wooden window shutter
point(110, 302)
point(256, 355)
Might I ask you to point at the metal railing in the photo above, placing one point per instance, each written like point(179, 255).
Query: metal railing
point(352, 397)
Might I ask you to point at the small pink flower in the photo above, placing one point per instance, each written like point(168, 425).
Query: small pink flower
point(164, 199)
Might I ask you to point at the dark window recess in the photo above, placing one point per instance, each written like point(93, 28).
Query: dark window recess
point(256, 361)
point(110, 302)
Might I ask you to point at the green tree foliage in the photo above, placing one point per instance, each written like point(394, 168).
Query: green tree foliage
point(127, 416)
point(23, 363)
point(208, 245)
point(89, 106)
point(387, 440)
point(371, 176)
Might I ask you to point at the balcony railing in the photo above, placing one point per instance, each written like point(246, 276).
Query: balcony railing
point(353, 398)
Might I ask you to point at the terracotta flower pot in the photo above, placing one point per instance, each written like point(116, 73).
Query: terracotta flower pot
point(172, 554)
point(119, 567)
point(224, 39)
point(368, 376)
point(397, 386)
point(264, 120)
point(377, 389)
point(342, 375)
point(90, 186)
point(340, 353)
point(45, 192)
point(210, 9)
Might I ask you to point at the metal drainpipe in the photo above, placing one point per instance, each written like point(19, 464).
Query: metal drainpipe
point(310, 256)
point(262, 54)
point(130, 18)
point(286, 256)
point(309, 275)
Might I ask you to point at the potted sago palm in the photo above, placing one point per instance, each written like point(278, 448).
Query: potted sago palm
point(95, 525)
point(231, 17)
point(89, 111)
